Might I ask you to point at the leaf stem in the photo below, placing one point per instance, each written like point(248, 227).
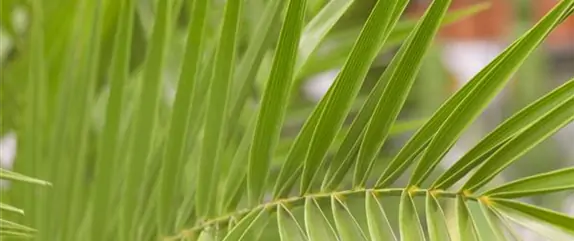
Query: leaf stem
point(300, 200)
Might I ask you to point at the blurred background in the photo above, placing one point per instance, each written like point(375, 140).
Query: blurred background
point(461, 50)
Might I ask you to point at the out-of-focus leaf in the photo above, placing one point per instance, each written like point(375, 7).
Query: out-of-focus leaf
point(9, 208)
point(182, 109)
point(250, 63)
point(108, 147)
point(318, 27)
point(146, 116)
point(206, 199)
point(337, 45)
point(10, 175)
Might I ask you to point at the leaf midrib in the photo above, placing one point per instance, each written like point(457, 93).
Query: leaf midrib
point(300, 200)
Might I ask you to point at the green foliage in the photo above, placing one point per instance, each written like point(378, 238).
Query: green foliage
point(9, 229)
point(210, 165)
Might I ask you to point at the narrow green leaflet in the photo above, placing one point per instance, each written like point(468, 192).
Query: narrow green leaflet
point(289, 227)
point(8, 208)
point(10, 229)
point(436, 222)
point(198, 103)
point(14, 234)
point(5, 224)
point(234, 182)
point(409, 222)
point(405, 27)
point(13, 176)
point(493, 221)
point(399, 128)
point(145, 115)
point(503, 133)
point(379, 226)
point(274, 101)
point(556, 226)
point(400, 77)
point(65, 131)
point(347, 225)
point(337, 45)
point(348, 148)
point(506, 224)
point(87, 66)
point(32, 134)
point(345, 89)
point(317, 226)
point(420, 139)
point(245, 224)
point(173, 157)
point(482, 227)
point(465, 224)
point(318, 27)
point(245, 75)
point(518, 146)
point(214, 130)
point(477, 100)
point(110, 139)
point(548, 182)
point(292, 167)
point(261, 229)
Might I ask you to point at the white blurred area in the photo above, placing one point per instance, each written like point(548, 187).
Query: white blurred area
point(318, 85)
point(7, 153)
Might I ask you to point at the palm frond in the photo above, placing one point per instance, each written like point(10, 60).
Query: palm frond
point(218, 162)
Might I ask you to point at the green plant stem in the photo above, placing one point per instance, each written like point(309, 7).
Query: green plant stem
point(300, 200)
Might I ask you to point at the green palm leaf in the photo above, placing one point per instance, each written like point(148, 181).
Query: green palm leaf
point(379, 225)
point(401, 75)
point(435, 219)
point(289, 227)
point(549, 124)
point(490, 82)
point(198, 140)
point(503, 133)
point(548, 182)
point(559, 224)
point(270, 117)
point(409, 219)
point(316, 223)
point(207, 180)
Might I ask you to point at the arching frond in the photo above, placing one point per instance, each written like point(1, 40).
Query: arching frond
point(199, 146)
